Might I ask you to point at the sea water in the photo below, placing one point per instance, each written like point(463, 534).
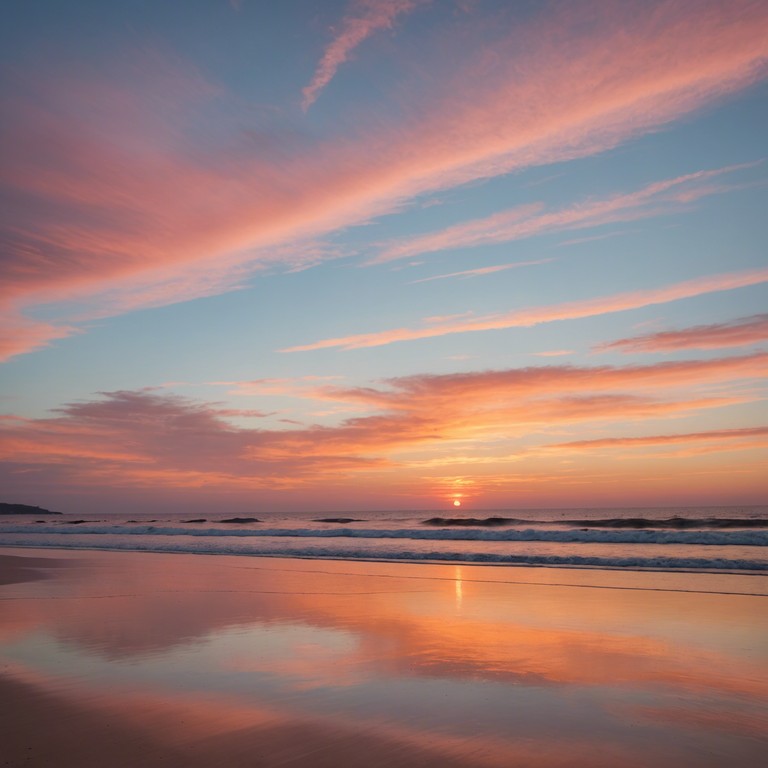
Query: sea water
point(719, 539)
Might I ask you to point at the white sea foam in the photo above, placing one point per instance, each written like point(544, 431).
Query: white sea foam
point(747, 538)
point(211, 546)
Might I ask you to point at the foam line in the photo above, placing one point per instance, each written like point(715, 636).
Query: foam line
point(706, 538)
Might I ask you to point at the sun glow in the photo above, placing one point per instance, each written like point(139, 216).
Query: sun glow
point(456, 503)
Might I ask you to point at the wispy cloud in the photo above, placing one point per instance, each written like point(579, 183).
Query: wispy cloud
point(153, 439)
point(483, 270)
point(736, 333)
point(298, 386)
point(364, 18)
point(659, 198)
point(488, 388)
point(744, 436)
point(593, 238)
point(619, 302)
point(19, 335)
point(128, 179)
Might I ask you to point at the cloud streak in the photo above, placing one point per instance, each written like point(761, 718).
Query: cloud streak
point(734, 439)
point(736, 333)
point(480, 271)
point(449, 392)
point(657, 199)
point(524, 318)
point(366, 18)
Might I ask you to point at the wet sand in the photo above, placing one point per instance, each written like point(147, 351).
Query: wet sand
point(128, 659)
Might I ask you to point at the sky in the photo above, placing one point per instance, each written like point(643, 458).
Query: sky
point(383, 254)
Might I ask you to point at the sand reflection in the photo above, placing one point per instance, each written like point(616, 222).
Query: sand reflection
point(454, 668)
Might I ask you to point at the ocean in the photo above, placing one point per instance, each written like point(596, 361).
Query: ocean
point(710, 539)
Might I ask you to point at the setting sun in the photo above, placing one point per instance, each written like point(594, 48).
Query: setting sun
point(456, 503)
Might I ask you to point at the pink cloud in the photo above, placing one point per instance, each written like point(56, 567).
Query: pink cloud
point(534, 316)
point(136, 186)
point(19, 335)
point(173, 441)
point(480, 271)
point(659, 198)
point(447, 318)
point(298, 386)
point(366, 17)
point(593, 238)
point(737, 333)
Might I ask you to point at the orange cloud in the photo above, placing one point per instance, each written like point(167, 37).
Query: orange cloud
point(737, 333)
point(368, 16)
point(136, 186)
point(475, 392)
point(155, 440)
point(743, 435)
point(568, 311)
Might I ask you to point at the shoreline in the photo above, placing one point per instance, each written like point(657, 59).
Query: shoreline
point(575, 572)
point(411, 561)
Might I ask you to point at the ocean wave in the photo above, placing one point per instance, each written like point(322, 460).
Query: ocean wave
point(608, 522)
point(213, 547)
point(698, 537)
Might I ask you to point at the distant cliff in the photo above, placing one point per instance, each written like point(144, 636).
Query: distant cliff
point(24, 509)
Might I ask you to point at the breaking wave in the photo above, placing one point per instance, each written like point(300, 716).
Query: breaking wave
point(698, 537)
point(609, 522)
point(211, 546)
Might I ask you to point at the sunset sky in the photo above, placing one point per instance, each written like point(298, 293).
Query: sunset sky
point(374, 254)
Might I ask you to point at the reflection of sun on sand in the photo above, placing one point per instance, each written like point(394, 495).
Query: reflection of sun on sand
point(459, 585)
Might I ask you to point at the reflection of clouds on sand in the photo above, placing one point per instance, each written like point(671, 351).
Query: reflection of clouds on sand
point(202, 730)
point(383, 648)
point(753, 724)
point(304, 657)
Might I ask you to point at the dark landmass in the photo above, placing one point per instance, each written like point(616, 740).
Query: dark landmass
point(141, 521)
point(471, 521)
point(24, 509)
point(197, 520)
point(337, 520)
point(241, 520)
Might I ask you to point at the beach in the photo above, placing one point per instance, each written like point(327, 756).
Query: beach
point(384, 384)
point(134, 658)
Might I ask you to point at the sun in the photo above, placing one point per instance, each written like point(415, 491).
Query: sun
point(456, 503)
